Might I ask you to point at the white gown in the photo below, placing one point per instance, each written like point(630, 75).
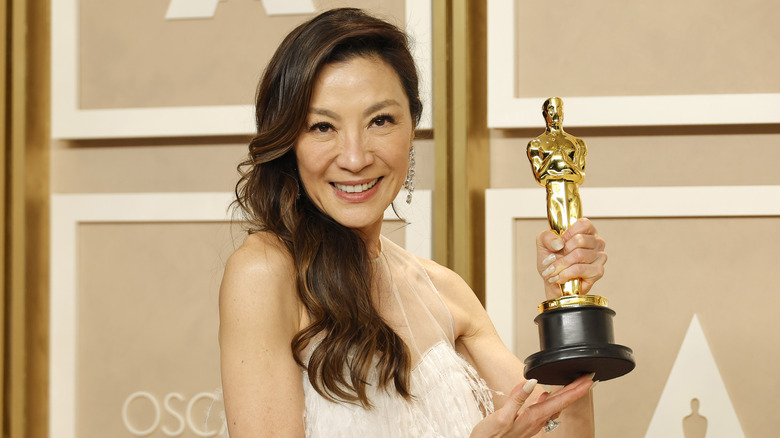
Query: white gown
point(449, 397)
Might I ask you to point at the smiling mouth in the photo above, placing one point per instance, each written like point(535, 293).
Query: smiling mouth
point(355, 188)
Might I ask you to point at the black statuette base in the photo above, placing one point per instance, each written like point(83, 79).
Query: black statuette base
point(576, 341)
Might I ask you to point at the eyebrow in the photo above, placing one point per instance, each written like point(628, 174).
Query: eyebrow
point(379, 105)
point(373, 108)
point(324, 112)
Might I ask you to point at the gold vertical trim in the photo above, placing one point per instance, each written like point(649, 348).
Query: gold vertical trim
point(37, 196)
point(25, 201)
point(16, 227)
point(4, 102)
point(460, 137)
point(478, 140)
point(471, 153)
point(442, 89)
point(461, 216)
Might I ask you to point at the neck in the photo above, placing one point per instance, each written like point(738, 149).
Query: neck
point(370, 236)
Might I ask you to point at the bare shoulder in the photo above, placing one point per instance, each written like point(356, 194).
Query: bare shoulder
point(259, 277)
point(261, 254)
point(458, 296)
point(445, 279)
point(260, 313)
point(475, 337)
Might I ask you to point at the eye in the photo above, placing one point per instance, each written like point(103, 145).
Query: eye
point(382, 120)
point(321, 127)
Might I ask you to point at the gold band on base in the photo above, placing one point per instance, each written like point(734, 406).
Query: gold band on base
point(573, 301)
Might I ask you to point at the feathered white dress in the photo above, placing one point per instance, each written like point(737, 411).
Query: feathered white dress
point(449, 397)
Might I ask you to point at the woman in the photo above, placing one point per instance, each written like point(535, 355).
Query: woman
point(329, 329)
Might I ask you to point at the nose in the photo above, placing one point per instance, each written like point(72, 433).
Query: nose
point(355, 154)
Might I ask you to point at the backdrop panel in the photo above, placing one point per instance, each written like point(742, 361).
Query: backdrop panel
point(187, 76)
point(674, 252)
point(634, 63)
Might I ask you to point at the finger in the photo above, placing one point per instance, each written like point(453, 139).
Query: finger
point(544, 408)
point(590, 266)
point(583, 380)
point(582, 225)
point(508, 413)
point(583, 257)
point(579, 384)
point(545, 254)
point(575, 389)
point(549, 241)
point(584, 241)
point(517, 399)
point(553, 404)
point(574, 257)
point(588, 273)
point(503, 420)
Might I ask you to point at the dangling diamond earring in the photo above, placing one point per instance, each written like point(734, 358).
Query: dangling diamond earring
point(409, 183)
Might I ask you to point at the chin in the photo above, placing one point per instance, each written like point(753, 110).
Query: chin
point(357, 225)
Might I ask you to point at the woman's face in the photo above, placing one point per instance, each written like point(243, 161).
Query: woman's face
point(353, 153)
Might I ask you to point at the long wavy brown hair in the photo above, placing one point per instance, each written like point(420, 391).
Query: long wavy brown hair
point(334, 274)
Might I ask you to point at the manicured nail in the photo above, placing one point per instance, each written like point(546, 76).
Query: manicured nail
point(557, 244)
point(529, 386)
point(591, 376)
point(548, 260)
point(548, 271)
point(553, 279)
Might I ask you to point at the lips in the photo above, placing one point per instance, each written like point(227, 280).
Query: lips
point(356, 188)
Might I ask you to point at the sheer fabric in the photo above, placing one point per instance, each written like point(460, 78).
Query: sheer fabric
point(449, 397)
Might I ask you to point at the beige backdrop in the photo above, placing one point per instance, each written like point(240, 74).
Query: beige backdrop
point(132, 57)
point(659, 47)
point(148, 321)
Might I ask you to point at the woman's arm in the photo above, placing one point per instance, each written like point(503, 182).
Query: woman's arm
point(259, 315)
point(518, 414)
point(578, 253)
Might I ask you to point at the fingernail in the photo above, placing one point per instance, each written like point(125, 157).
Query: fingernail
point(595, 382)
point(557, 244)
point(529, 386)
point(553, 279)
point(549, 259)
point(591, 376)
point(548, 271)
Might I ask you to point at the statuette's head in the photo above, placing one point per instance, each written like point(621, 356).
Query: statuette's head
point(552, 109)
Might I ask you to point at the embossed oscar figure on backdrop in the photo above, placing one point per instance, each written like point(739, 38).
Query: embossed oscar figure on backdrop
point(575, 330)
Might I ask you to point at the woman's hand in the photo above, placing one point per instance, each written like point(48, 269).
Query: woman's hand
point(577, 253)
point(519, 418)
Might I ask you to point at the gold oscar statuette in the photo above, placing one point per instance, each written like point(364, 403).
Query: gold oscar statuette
point(575, 329)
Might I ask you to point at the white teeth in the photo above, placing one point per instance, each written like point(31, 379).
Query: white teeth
point(355, 188)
